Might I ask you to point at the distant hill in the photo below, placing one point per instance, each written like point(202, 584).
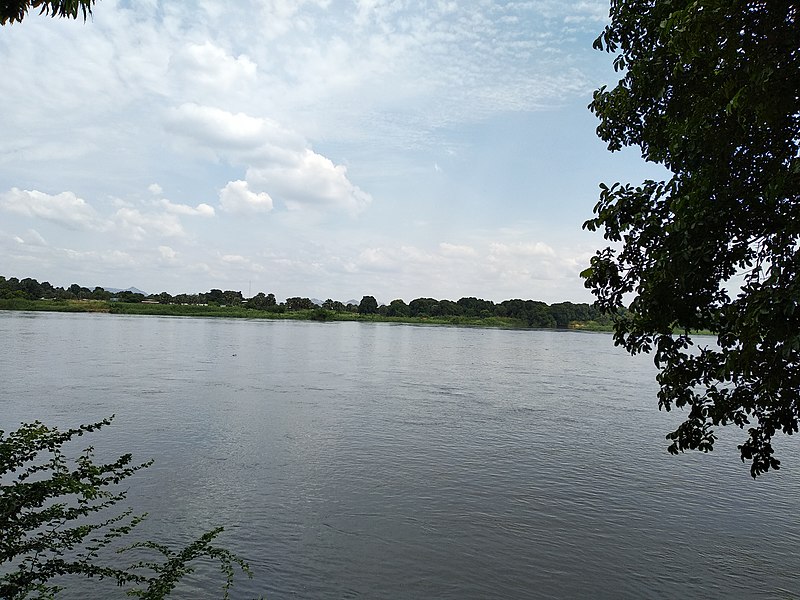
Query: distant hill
point(130, 289)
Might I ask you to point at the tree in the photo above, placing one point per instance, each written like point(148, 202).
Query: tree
point(15, 10)
point(54, 521)
point(423, 307)
point(297, 303)
point(565, 313)
point(99, 293)
point(531, 312)
point(129, 296)
point(258, 302)
point(215, 296)
point(232, 297)
point(164, 298)
point(710, 90)
point(476, 307)
point(450, 308)
point(397, 308)
point(368, 306)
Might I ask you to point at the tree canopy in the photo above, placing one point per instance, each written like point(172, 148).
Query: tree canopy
point(368, 305)
point(16, 10)
point(711, 90)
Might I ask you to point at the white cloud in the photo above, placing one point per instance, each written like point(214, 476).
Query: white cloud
point(138, 225)
point(311, 180)
point(235, 136)
point(377, 259)
point(111, 258)
point(210, 66)
point(202, 210)
point(167, 253)
point(280, 163)
point(236, 197)
point(65, 208)
point(457, 251)
point(588, 12)
point(240, 262)
point(521, 249)
point(154, 189)
point(31, 238)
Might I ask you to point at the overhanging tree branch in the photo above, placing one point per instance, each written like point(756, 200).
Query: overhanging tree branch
point(711, 90)
point(16, 10)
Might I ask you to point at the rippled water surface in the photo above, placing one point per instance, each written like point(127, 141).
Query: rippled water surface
point(352, 460)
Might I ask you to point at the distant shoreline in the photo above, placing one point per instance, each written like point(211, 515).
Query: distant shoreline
point(317, 314)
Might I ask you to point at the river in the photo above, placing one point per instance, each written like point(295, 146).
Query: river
point(359, 460)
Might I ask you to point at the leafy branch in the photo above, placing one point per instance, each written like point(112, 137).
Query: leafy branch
point(46, 505)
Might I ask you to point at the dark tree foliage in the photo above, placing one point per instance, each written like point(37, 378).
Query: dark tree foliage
point(424, 307)
point(710, 90)
point(16, 10)
point(215, 295)
point(261, 301)
point(397, 308)
point(368, 306)
point(297, 303)
point(565, 313)
point(476, 307)
point(128, 296)
point(534, 314)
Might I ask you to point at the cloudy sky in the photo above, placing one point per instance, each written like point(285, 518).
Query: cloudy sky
point(320, 148)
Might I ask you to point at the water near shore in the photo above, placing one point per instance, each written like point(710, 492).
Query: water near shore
point(356, 460)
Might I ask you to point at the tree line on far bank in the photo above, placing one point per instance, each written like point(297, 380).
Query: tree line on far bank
point(530, 312)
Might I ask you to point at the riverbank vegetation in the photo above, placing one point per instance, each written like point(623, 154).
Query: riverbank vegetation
point(55, 522)
point(29, 294)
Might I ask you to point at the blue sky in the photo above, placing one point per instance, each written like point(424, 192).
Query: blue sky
point(319, 148)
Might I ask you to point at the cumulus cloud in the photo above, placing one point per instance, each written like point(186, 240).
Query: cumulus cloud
point(377, 259)
point(457, 251)
point(236, 197)
point(65, 208)
point(592, 12)
point(111, 258)
point(232, 135)
point(201, 210)
point(167, 253)
point(280, 163)
point(521, 249)
point(211, 66)
point(138, 225)
point(397, 259)
point(154, 189)
point(241, 262)
point(311, 180)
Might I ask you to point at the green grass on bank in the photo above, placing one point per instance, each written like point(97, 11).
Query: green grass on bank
point(317, 314)
point(314, 314)
point(238, 312)
point(54, 305)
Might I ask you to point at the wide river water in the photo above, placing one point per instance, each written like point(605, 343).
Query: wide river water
point(355, 460)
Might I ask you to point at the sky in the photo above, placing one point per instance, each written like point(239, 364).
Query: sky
point(313, 148)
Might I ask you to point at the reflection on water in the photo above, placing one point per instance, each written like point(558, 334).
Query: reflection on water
point(389, 461)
